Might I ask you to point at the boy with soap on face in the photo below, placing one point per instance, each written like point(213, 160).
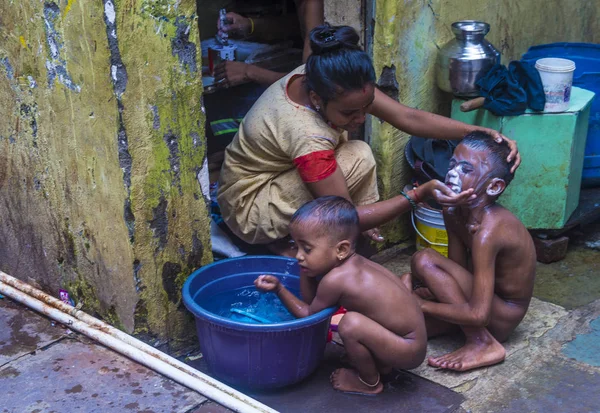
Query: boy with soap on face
point(485, 285)
point(383, 327)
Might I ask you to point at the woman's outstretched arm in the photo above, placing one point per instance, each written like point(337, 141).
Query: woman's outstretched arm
point(378, 213)
point(429, 125)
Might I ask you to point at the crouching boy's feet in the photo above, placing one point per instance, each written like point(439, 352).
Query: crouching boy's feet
point(348, 381)
point(480, 350)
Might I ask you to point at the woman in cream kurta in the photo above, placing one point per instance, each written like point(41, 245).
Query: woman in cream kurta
point(281, 145)
point(289, 150)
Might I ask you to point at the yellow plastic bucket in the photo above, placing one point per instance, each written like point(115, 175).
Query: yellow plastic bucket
point(430, 228)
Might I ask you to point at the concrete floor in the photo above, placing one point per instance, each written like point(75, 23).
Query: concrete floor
point(552, 364)
point(553, 358)
point(44, 367)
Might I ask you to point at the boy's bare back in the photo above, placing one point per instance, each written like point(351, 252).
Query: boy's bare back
point(370, 289)
point(501, 237)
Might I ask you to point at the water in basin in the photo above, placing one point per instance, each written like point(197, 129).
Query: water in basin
point(247, 305)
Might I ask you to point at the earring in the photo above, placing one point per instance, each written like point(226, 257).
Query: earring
point(318, 108)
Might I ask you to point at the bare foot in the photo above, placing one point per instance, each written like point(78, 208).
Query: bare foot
point(347, 380)
point(472, 355)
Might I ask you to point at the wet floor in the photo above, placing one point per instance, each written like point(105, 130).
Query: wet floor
point(574, 281)
point(552, 365)
point(45, 367)
point(553, 362)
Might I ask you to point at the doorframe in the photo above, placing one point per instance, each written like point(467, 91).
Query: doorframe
point(368, 17)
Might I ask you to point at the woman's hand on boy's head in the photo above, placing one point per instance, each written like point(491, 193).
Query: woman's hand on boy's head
point(267, 283)
point(444, 195)
point(514, 151)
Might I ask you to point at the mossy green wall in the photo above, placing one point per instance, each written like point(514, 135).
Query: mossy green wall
point(101, 142)
point(408, 34)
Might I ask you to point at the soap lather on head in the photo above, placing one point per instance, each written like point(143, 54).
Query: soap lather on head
point(480, 163)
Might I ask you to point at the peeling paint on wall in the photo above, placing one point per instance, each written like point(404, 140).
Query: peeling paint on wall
point(118, 76)
point(388, 83)
point(29, 113)
point(55, 64)
point(118, 73)
point(196, 255)
point(177, 151)
point(10, 74)
point(171, 140)
point(170, 272)
point(203, 179)
point(125, 164)
point(160, 224)
point(137, 266)
point(102, 195)
point(181, 45)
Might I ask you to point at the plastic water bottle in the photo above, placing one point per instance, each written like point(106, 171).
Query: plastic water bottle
point(224, 37)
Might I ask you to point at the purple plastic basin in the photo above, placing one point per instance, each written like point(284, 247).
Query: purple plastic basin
point(255, 356)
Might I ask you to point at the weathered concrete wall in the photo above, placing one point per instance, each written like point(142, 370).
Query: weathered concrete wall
point(346, 13)
point(101, 140)
point(406, 39)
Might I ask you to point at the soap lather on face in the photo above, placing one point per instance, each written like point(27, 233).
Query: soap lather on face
point(453, 180)
point(468, 168)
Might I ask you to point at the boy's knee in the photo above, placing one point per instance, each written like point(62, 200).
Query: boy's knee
point(349, 325)
point(422, 260)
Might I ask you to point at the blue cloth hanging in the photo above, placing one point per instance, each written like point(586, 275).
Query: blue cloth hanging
point(508, 92)
point(529, 79)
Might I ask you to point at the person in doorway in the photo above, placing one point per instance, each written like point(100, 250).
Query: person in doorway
point(485, 285)
point(376, 339)
point(309, 15)
point(292, 146)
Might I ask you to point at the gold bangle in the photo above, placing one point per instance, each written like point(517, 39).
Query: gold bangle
point(251, 25)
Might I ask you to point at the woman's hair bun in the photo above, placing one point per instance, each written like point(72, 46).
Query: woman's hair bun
point(326, 39)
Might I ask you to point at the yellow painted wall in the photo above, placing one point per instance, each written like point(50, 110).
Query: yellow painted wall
point(408, 34)
point(101, 142)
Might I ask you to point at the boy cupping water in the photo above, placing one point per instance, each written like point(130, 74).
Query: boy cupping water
point(383, 327)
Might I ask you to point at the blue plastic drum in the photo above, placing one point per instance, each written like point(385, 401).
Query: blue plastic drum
point(255, 356)
point(587, 76)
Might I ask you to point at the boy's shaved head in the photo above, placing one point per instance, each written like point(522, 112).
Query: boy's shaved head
point(333, 216)
point(482, 141)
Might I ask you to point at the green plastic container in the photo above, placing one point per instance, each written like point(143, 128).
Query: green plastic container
point(545, 191)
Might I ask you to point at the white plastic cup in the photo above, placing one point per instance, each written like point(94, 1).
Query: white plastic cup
point(219, 53)
point(557, 78)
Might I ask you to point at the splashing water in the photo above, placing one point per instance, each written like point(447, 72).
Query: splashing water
point(265, 306)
